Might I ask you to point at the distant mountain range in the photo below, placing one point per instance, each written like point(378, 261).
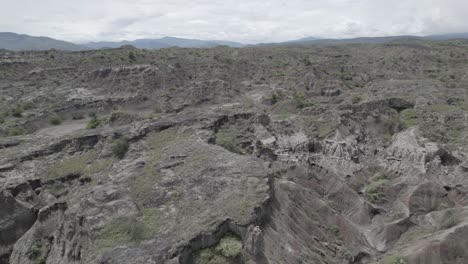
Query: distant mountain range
point(13, 41)
point(165, 42)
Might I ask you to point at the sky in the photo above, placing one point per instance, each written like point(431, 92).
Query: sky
point(246, 21)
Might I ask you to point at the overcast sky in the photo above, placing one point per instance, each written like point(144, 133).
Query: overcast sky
point(247, 21)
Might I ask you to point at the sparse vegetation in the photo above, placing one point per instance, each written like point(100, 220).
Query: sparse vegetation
point(394, 260)
point(16, 131)
point(131, 56)
point(227, 141)
point(450, 222)
point(55, 121)
point(275, 98)
point(17, 111)
point(93, 123)
point(82, 164)
point(334, 229)
point(356, 98)
point(230, 246)
point(410, 117)
point(299, 99)
point(120, 147)
point(225, 252)
point(141, 185)
point(375, 192)
point(122, 231)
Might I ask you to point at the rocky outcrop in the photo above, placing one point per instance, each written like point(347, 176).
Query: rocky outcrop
point(16, 218)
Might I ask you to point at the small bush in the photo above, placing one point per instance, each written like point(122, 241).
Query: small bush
point(77, 117)
point(120, 148)
point(375, 192)
point(335, 230)
point(93, 123)
point(274, 98)
point(131, 56)
point(55, 121)
point(17, 111)
point(230, 246)
point(299, 100)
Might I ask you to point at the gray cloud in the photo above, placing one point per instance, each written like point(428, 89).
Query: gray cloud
point(245, 21)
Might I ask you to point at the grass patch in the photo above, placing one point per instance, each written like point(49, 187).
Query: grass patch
point(326, 129)
point(84, 164)
point(127, 230)
point(121, 231)
point(410, 117)
point(228, 140)
point(394, 260)
point(141, 185)
point(152, 219)
point(450, 222)
point(156, 145)
point(356, 98)
point(16, 131)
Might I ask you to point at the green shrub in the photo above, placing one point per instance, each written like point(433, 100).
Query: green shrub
point(93, 123)
point(299, 100)
point(55, 121)
point(335, 230)
point(131, 56)
point(375, 192)
point(17, 111)
point(77, 117)
point(120, 148)
point(227, 250)
point(274, 98)
point(230, 246)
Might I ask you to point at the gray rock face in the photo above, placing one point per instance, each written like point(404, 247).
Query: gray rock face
point(16, 218)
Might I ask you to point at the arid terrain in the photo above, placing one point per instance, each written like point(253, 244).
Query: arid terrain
point(347, 153)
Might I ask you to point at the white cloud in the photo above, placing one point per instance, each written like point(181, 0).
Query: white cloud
point(245, 21)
